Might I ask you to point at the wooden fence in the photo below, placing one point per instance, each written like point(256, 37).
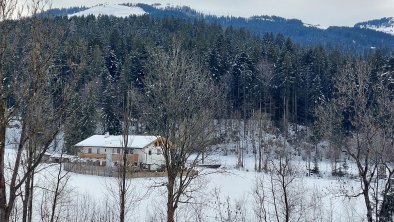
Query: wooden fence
point(92, 169)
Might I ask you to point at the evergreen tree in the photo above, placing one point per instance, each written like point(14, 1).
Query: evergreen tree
point(216, 60)
point(82, 121)
point(243, 87)
point(113, 65)
point(111, 108)
point(134, 69)
point(284, 81)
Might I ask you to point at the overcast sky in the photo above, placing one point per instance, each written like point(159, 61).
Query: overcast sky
point(322, 12)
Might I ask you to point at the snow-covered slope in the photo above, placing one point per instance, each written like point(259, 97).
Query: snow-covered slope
point(114, 10)
point(315, 26)
point(382, 25)
point(311, 12)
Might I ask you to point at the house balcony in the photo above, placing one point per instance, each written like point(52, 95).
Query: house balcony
point(131, 158)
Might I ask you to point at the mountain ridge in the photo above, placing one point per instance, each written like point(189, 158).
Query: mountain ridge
point(385, 25)
point(348, 38)
point(360, 38)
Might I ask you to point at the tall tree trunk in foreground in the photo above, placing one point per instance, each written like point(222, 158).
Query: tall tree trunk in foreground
point(179, 109)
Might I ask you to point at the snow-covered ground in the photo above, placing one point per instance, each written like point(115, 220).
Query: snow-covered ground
point(224, 193)
point(114, 10)
point(319, 198)
point(385, 29)
point(382, 25)
point(388, 30)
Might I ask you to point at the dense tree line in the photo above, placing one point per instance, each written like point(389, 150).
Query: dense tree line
point(352, 39)
point(270, 73)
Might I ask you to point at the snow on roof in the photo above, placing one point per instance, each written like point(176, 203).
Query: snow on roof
point(114, 10)
point(134, 141)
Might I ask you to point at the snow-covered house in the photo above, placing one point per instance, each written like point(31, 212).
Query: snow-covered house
point(108, 149)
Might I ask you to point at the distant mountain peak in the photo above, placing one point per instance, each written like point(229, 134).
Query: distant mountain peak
point(382, 25)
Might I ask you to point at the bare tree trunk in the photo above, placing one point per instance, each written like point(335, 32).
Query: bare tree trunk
point(26, 199)
point(30, 204)
point(368, 203)
point(128, 99)
point(260, 149)
point(3, 194)
point(4, 16)
point(29, 184)
point(285, 192)
point(275, 201)
point(56, 192)
point(170, 199)
point(122, 192)
point(181, 94)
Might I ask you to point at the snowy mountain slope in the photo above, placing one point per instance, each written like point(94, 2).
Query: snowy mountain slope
point(385, 25)
point(114, 10)
point(348, 38)
point(312, 12)
point(314, 26)
point(353, 39)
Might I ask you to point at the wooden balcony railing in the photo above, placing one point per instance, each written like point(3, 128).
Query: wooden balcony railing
point(131, 158)
point(92, 156)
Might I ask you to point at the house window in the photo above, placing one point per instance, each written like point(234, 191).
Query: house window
point(98, 150)
point(90, 150)
point(158, 152)
point(150, 152)
point(118, 150)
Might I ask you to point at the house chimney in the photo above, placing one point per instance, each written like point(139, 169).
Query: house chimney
point(106, 135)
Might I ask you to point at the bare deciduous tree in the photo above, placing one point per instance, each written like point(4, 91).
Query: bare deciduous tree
point(52, 187)
point(180, 98)
point(259, 128)
point(282, 178)
point(7, 10)
point(32, 89)
point(260, 200)
point(364, 106)
point(122, 175)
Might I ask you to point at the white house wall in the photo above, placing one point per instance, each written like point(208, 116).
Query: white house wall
point(154, 158)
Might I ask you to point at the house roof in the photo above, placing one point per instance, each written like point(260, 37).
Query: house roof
point(116, 141)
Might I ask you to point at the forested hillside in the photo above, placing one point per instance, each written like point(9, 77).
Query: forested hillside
point(357, 39)
point(269, 73)
point(352, 39)
point(384, 25)
point(180, 79)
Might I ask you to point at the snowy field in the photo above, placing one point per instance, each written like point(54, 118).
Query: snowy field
point(227, 194)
